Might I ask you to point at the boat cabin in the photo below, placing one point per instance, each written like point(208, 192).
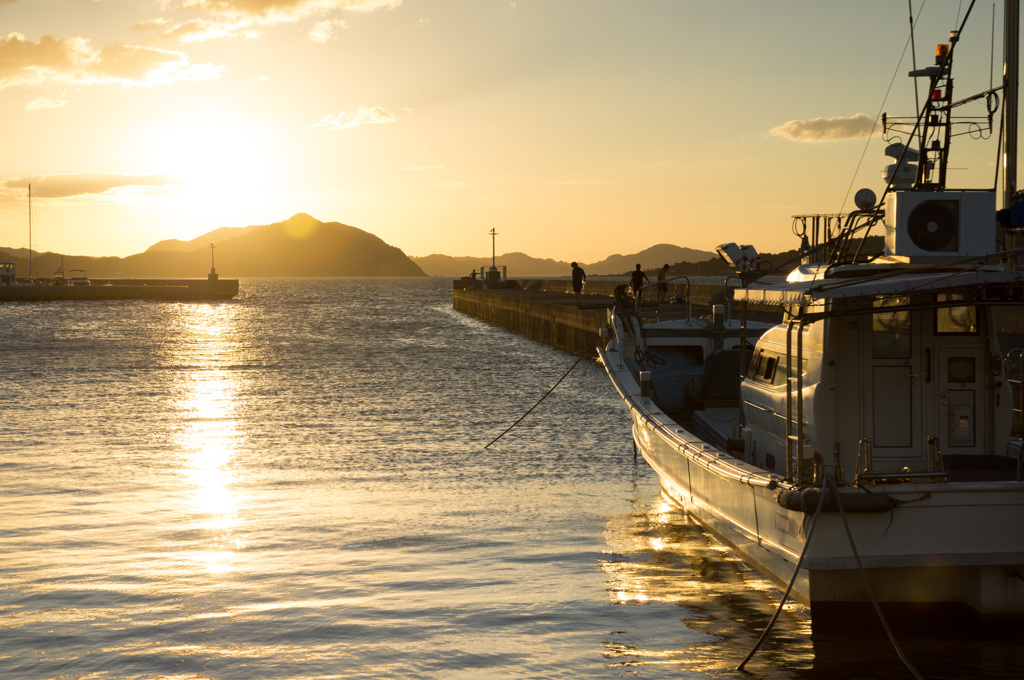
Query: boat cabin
point(888, 371)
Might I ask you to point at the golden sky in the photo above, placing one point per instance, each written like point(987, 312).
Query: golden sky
point(576, 128)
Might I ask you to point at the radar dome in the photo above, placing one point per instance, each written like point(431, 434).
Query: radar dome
point(865, 199)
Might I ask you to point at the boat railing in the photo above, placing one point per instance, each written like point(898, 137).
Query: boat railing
point(866, 474)
point(681, 277)
point(828, 237)
point(1014, 366)
point(795, 393)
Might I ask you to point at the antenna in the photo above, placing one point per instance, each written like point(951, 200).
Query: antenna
point(30, 231)
point(212, 276)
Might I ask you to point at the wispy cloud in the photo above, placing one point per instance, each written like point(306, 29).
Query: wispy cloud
point(247, 18)
point(196, 30)
point(75, 61)
point(826, 129)
point(287, 7)
point(81, 184)
point(364, 115)
point(323, 31)
point(46, 103)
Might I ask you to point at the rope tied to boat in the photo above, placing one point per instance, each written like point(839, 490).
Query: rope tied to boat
point(564, 376)
point(789, 588)
point(805, 499)
point(835, 497)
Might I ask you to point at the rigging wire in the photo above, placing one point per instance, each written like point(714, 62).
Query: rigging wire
point(913, 49)
point(992, 49)
point(578, 360)
point(878, 115)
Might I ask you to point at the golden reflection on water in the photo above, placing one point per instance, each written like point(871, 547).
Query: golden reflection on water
point(661, 555)
point(209, 432)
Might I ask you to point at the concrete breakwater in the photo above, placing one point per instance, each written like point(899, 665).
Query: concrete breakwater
point(124, 289)
point(542, 317)
point(545, 309)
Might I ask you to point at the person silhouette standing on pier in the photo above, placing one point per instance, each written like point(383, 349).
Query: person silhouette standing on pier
point(662, 286)
point(636, 282)
point(579, 279)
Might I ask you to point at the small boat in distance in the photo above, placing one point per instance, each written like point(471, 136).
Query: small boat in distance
point(77, 277)
point(869, 447)
point(8, 274)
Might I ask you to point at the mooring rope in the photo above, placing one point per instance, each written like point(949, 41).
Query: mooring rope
point(871, 593)
point(860, 568)
point(578, 360)
point(785, 595)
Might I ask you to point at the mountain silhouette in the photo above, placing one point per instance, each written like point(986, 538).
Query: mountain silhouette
point(520, 264)
point(305, 246)
point(300, 246)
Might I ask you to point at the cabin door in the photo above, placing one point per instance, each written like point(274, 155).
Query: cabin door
point(961, 399)
point(896, 388)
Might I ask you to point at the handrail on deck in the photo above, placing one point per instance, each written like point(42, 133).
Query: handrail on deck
point(1014, 365)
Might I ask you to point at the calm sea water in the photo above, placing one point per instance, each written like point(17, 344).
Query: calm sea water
point(294, 484)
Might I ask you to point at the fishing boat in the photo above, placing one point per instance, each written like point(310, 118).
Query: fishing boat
point(8, 273)
point(77, 277)
point(867, 449)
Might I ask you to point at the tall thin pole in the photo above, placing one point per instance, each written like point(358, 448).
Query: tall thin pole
point(1011, 45)
point(1011, 57)
point(913, 54)
point(30, 232)
point(493, 245)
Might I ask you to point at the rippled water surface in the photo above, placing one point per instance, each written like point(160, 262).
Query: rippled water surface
point(294, 484)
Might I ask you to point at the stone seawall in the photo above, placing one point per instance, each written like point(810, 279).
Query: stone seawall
point(543, 319)
point(545, 310)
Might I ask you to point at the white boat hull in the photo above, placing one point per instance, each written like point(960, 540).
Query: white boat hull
point(959, 544)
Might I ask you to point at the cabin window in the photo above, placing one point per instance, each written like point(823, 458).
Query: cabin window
point(890, 330)
point(763, 365)
point(770, 367)
point(961, 320)
point(781, 373)
point(752, 367)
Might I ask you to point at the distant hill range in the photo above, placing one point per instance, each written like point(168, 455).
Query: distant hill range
point(305, 246)
point(522, 265)
point(300, 246)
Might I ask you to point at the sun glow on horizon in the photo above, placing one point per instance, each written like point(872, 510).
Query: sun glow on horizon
point(218, 159)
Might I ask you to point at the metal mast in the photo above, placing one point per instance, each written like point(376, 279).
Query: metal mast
point(30, 232)
point(1011, 57)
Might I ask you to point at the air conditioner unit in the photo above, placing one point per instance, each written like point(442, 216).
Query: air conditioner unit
point(933, 226)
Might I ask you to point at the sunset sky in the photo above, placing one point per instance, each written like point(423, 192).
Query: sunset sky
point(575, 128)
